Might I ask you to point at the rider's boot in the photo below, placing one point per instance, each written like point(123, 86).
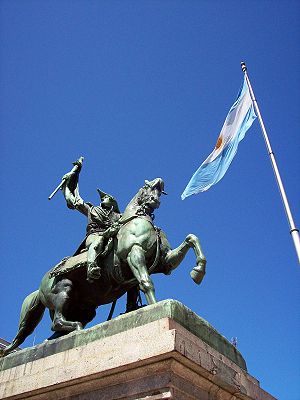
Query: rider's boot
point(93, 271)
point(95, 245)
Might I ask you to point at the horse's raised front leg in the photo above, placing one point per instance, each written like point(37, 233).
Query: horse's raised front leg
point(137, 262)
point(60, 299)
point(174, 257)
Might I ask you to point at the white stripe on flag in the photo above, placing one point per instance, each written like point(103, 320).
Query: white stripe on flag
point(238, 121)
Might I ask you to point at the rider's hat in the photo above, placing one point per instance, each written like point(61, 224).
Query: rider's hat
point(113, 200)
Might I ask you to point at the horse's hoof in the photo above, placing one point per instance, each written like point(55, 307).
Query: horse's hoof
point(197, 275)
point(4, 352)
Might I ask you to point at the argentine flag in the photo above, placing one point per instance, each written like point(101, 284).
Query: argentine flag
point(238, 121)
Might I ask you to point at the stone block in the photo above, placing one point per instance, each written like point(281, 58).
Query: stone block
point(163, 351)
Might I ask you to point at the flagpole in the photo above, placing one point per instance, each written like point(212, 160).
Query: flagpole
point(293, 230)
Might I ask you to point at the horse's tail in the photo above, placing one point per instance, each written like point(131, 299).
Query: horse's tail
point(31, 313)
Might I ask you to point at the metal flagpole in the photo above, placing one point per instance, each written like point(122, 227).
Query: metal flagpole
point(293, 230)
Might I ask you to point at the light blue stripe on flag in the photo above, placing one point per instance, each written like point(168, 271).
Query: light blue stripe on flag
point(238, 121)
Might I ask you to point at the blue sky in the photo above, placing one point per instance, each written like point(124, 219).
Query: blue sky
point(141, 89)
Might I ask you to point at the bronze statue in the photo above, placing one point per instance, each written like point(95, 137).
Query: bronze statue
point(134, 249)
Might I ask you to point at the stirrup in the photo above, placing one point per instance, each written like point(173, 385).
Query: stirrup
point(93, 267)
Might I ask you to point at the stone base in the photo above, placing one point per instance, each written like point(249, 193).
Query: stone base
point(162, 351)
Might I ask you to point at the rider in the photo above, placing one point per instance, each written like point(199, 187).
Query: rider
point(102, 220)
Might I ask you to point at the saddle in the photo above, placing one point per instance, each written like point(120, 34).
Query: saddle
point(71, 263)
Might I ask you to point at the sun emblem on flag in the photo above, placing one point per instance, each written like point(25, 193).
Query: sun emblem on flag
point(219, 142)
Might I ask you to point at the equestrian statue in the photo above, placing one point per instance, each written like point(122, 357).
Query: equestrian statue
point(117, 256)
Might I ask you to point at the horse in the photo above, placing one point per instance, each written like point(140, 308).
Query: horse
point(138, 249)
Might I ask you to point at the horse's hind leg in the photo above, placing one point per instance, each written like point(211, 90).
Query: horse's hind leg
point(31, 314)
point(136, 261)
point(133, 299)
point(60, 299)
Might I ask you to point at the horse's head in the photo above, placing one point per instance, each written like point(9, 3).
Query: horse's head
point(151, 192)
point(147, 199)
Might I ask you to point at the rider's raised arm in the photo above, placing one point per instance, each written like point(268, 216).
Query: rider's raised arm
point(74, 200)
point(71, 192)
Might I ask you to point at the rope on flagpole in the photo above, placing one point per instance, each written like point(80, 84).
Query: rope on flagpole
point(293, 230)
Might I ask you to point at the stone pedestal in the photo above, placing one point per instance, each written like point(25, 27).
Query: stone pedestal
point(163, 351)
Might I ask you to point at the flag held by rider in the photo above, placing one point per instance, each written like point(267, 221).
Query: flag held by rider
point(238, 121)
